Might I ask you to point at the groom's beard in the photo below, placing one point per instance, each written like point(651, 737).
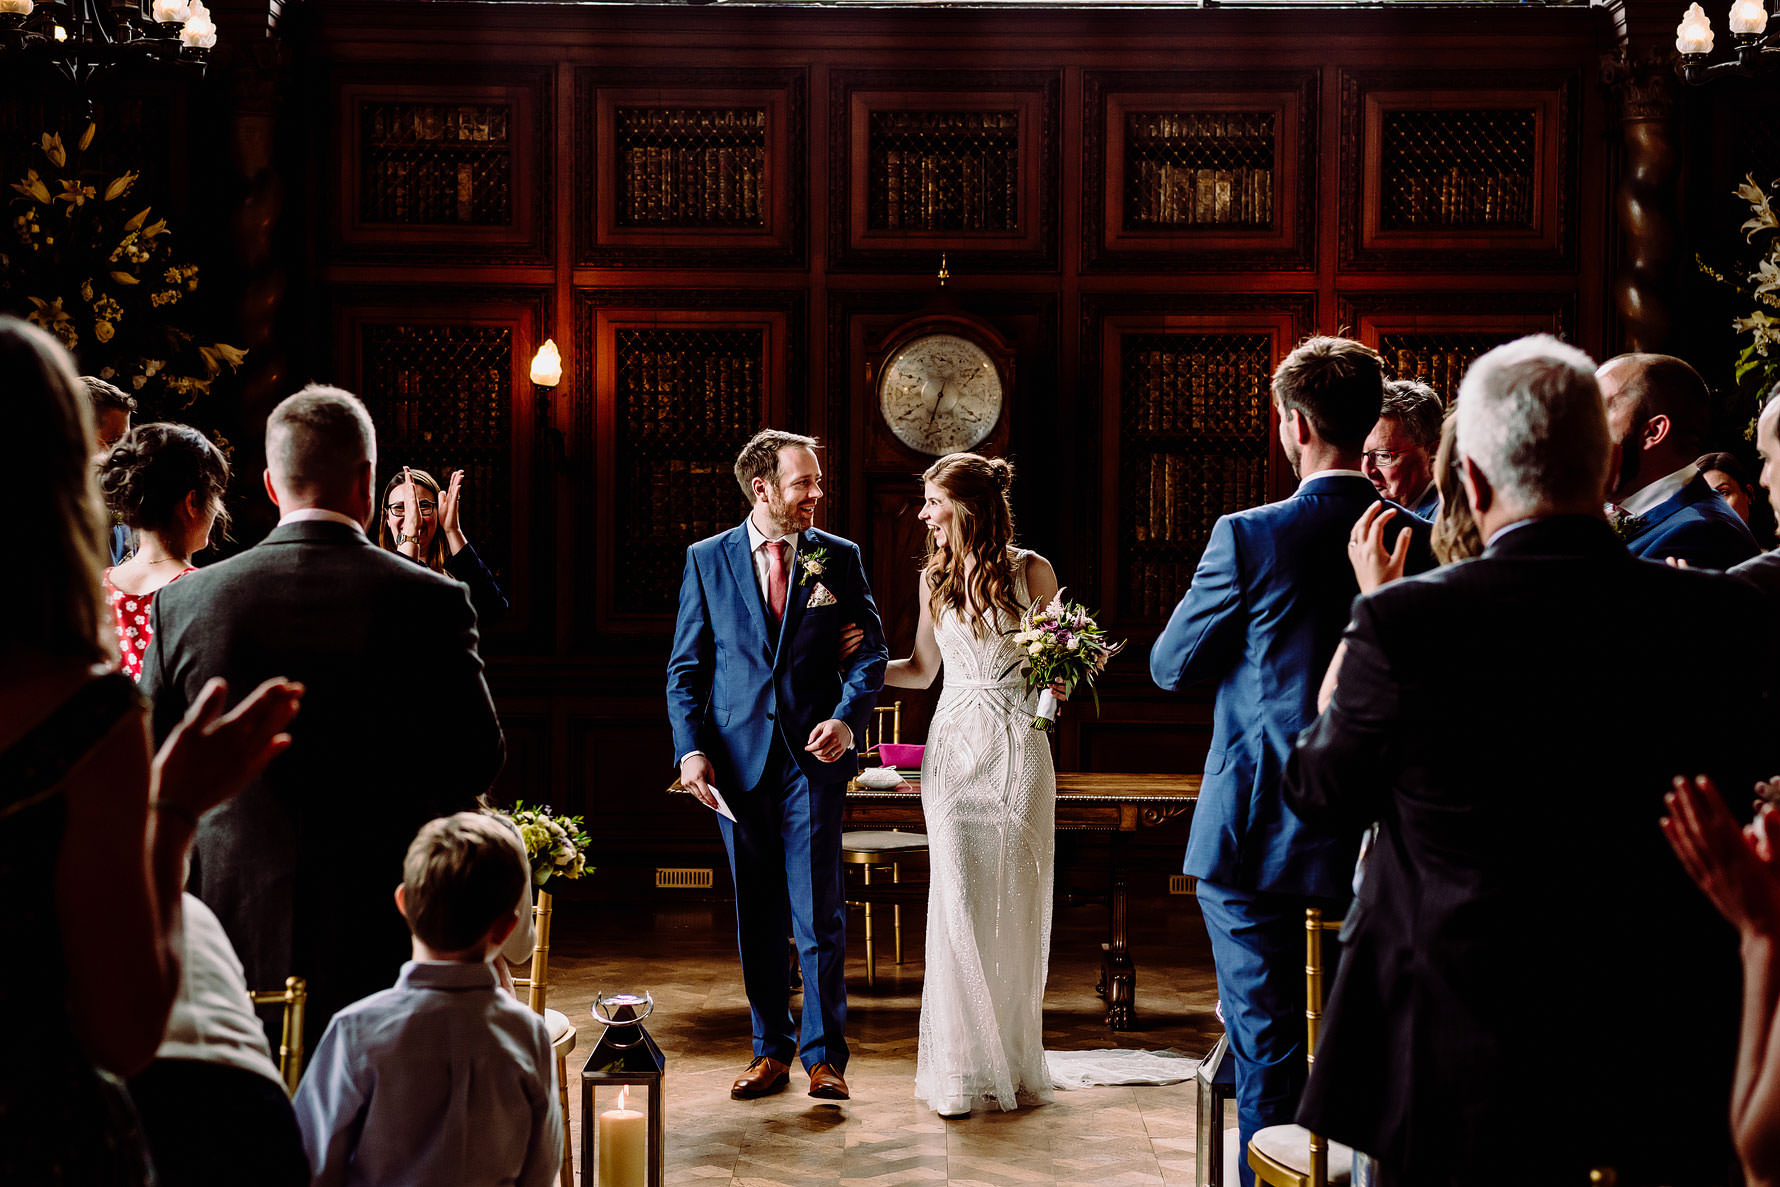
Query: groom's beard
point(787, 518)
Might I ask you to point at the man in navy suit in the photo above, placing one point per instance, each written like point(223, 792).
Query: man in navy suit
point(1261, 622)
point(1399, 451)
point(112, 408)
point(765, 711)
point(1657, 409)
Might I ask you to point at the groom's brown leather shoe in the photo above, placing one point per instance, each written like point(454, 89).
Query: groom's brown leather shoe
point(826, 1083)
point(764, 1077)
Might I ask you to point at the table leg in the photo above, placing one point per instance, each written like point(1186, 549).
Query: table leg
point(1118, 972)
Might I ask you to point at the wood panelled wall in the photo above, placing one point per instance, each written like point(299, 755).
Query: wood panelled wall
point(726, 217)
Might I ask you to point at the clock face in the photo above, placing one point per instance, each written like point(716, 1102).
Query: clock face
point(940, 394)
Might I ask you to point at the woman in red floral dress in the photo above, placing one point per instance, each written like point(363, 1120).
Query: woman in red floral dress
point(167, 482)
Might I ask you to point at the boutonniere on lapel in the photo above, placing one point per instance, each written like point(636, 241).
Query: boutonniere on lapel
point(811, 564)
point(1625, 525)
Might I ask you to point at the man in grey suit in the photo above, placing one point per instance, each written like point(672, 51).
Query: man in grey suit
point(397, 725)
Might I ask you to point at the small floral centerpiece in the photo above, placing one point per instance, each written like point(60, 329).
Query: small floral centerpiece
point(105, 280)
point(1758, 365)
point(556, 845)
point(1063, 645)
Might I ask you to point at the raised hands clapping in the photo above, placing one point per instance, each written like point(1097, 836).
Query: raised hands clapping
point(1734, 866)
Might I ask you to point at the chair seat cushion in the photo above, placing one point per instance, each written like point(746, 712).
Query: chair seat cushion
point(1289, 1145)
point(559, 1025)
point(865, 841)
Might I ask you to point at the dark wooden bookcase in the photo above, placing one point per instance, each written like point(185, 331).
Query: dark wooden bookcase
point(424, 166)
point(1187, 434)
point(679, 391)
point(707, 169)
point(1444, 170)
point(968, 169)
point(446, 384)
point(1434, 337)
point(1215, 167)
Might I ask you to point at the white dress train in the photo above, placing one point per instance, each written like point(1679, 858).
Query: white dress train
point(989, 792)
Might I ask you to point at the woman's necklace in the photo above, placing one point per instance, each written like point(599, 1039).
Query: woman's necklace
point(167, 560)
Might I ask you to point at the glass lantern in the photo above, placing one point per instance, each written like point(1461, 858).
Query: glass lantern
point(623, 1106)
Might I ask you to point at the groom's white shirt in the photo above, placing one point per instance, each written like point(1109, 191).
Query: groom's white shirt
point(757, 541)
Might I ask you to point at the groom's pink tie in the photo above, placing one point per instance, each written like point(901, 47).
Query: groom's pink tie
point(775, 579)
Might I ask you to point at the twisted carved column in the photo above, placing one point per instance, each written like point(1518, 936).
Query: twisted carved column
point(1646, 280)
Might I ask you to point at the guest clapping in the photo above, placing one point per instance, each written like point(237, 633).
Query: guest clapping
point(93, 835)
point(1399, 452)
point(167, 482)
point(424, 523)
point(1740, 872)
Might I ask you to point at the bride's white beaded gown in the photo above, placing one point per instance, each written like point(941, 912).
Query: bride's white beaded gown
point(989, 792)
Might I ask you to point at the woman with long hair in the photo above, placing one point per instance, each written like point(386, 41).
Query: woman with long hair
point(423, 522)
point(93, 835)
point(989, 793)
point(167, 482)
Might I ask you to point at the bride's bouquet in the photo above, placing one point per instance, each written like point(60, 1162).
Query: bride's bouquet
point(1063, 645)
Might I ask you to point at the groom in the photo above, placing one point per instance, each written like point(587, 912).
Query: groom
point(765, 710)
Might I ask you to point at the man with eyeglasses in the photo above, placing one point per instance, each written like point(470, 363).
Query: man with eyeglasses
point(1399, 455)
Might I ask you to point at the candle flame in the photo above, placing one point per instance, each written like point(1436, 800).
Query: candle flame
point(547, 365)
point(1694, 34)
point(624, 1097)
point(1748, 16)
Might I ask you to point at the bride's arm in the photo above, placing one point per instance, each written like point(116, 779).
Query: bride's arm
point(1041, 579)
point(919, 669)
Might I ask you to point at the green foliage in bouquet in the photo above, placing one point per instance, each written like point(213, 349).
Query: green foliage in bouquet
point(556, 845)
point(76, 260)
point(1758, 364)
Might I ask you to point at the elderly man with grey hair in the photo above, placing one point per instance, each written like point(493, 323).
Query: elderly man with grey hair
point(1399, 452)
point(1513, 723)
point(397, 725)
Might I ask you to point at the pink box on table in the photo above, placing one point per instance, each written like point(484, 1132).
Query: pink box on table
point(901, 755)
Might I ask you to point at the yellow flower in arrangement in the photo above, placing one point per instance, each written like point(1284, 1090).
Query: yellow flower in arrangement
point(109, 282)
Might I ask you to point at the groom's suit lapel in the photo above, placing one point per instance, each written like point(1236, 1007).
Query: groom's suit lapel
point(797, 597)
point(747, 586)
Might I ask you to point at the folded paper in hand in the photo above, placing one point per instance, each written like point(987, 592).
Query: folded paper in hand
point(722, 807)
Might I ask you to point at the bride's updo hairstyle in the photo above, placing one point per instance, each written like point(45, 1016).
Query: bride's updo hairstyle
point(982, 529)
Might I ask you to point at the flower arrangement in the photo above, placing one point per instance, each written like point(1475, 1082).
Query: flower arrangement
point(1063, 645)
point(1758, 364)
point(811, 564)
point(106, 281)
point(556, 845)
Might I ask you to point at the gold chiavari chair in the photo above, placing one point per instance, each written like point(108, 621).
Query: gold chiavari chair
point(536, 983)
point(294, 997)
point(1290, 1155)
point(882, 850)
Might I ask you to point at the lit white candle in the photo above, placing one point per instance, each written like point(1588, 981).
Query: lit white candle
point(547, 365)
point(623, 1143)
point(1694, 34)
point(169, 12)
point(1748, 16)
point(17, 7)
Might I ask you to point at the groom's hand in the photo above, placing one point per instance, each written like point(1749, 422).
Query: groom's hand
point(696, 774)
point(852, 639)
point(830, 740)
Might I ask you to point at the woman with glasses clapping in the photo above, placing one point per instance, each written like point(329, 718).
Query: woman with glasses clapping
point(423, 523)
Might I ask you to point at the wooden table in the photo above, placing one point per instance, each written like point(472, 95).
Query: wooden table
point(1086, 802)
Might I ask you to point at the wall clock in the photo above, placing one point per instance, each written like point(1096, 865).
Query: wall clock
point(940, 392)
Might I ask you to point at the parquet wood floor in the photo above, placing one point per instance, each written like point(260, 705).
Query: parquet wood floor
point(685, 956)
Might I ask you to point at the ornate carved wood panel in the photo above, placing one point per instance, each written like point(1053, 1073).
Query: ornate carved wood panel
point(964, 163)
point(1435, 337)
point(1458, 170)
point(460, 168)
point(691, 167)
point(1218, 167)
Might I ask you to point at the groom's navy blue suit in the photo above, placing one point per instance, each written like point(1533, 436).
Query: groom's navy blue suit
point(1260, 622)
point(748, 695)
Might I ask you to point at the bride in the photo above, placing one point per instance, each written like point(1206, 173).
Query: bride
point(989, 794)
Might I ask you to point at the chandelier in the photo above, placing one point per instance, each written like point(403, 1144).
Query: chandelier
point(85, 38)
point(1750, 50)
